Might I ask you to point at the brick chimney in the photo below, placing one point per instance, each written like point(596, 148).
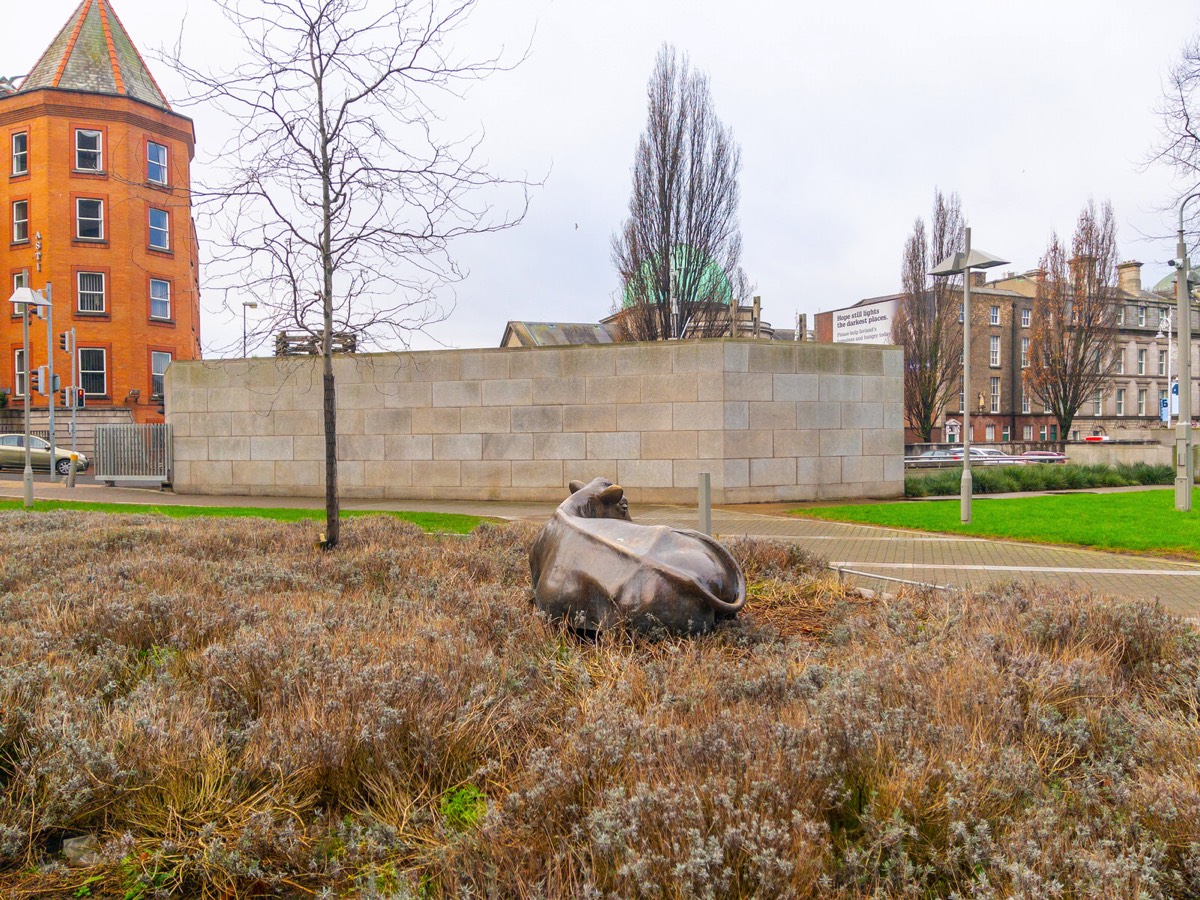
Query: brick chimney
point(978, 279)
point(1129, 277)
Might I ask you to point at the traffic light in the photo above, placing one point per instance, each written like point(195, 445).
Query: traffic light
point(55, 384)
point(64, 341)
point(80, 403)
point(37, 380)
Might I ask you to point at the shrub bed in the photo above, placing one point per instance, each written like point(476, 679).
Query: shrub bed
point(232, 714)
point(1038, 477)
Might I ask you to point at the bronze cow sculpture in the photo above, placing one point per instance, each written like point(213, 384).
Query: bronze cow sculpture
point(594, 567)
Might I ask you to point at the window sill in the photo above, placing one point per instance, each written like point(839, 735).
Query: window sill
point(91, 314)
point(157, 186)
point(167, 323)
point(159, 251)
point(18, 176)
point(89, 242)
point(88, 173)
point(17, 244)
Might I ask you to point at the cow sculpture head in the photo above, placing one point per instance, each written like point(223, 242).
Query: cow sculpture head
point(598, 499)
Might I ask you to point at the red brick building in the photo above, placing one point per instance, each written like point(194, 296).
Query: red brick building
point(96, 194)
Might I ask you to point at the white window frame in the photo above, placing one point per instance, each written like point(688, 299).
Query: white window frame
point(153, 164)
point(1026, 318)
point(1027, 432)
point(1121, 315)
point(1141, 402)
point(995, 390)
point(19, 369)
point(79, 292)
point(1162, 362)
point(989, 433)
point(1025, 401)
point(21, 279)
point(1098, 403)
point(103, 371)
point(79, 219)
point(165, 231)
point(153, 299)
point(1120, 401)
point(156, 377)
point(1141, 317)
point(1141, 358)
point(994, 316)
point(98, 150)
point(994, 351)
point(1121, 361)
point(20, 158)
point(20, 226)
point(1025, 352)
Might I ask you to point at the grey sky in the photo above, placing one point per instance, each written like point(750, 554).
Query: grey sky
point(847, 118)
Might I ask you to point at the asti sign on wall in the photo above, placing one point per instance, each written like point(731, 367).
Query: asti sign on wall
point(870, 323)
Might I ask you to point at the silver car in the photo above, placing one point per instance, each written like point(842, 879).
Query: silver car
point(12, 455)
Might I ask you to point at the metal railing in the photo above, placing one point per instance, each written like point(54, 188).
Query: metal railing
point(133, 453)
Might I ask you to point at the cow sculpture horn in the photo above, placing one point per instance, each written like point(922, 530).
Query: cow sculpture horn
point(611, 494)
point(574, 486)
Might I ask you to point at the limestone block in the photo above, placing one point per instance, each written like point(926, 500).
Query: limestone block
point(306, 395)
point(508, 446)
point(308, 447)
point(360, 446)
point(737, 473)
point(408, 446)
point(536, 362)
point(747, 386)
point(864, 359)
point(775, 357)
point(601, 417)
point(893, 416)
point(670, 445)
point(614, 445)
point(407, 396)
point(710, 386)
point(840, 388)
point(710, 444)
point(829, 470)
point(805, 442)
point(612, 389)
point(231, 448)
point(706, 416)
point(772, 471)
point(646, 473)
point(737, 356)
point(389, 421)
point(841, 442)
point(251, 423)
point(438, 473)
point(352, 421)
point(862, 469)
point(809, 469)
point(456, 393)
point(267, 400)
point(297, 474)
point(883, 442)
point(212, 424)
point(862, 415)
point(485, 365)
point(558, 391)
point(254, 474)
point(818, 415)
point(212, 473)
point(893, 363)
point(295, 422)
point(182, 400)
point(643, 417)
point(885, 388)
point(436, 365)
point(188, 449)
point(589, 361)
point(750, 444)
point(537, 418)
point(538, 473)
point(435, 421)
point(697, 356)
point(276, 448)
point(458, 446)
point(587, 469)
point(893, 472)
point(352, 473)
point(360, 396)
point(487, 473)
point(795, 387)
point(486, 420)
point(390, 473)
point(685, 473)
point(181, 425)
point(665, 388)
point(774, 414)
point(512, 392)
point(650, 358)
point(551, 446)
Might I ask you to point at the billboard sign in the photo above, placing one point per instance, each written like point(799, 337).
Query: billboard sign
point(870, 323)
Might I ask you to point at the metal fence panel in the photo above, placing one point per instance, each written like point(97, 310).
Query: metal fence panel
point(133, 453)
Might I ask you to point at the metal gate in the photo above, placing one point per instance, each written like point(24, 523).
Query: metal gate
point(133, 453)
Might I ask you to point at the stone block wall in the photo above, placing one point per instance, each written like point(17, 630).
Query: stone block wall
point(768, 420)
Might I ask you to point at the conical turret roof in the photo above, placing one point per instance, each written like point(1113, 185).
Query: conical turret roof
point(93, 53)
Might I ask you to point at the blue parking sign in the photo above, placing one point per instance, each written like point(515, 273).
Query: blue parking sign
point(1164, 412)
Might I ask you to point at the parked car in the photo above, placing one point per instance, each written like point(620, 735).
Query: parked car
point(985, 455)
point(1043, 456)
point(12, 455)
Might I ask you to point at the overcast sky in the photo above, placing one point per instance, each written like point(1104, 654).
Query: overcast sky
point(849, 115)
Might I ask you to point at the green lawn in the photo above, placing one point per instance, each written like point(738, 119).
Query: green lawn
point(1138, 521)
point(450, 523)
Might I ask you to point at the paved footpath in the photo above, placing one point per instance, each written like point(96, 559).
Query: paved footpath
point(864, 551)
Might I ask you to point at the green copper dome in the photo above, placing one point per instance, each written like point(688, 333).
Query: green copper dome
point(713, 284)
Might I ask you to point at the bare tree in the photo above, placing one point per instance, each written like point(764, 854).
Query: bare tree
point(1179, 143)
point(927, 322)
point(1075, 318)
point(336, 198)
point(682, 241)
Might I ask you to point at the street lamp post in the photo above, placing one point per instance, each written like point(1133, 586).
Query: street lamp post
point(22, 299)
point(1170, 356)
point(246, 304)
point(961, 263)
point(1183, 312)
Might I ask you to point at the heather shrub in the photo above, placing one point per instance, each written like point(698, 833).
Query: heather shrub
point(231, 712)
point(1037, 477)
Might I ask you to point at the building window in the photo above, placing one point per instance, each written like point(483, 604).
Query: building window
point(1120, 362)
point(989, 433)
point(19, 368)
point(91, 292)
point(995, 395)
point(1141, 402)
point(1025, 317)
point(89, 150)
point(1042, 433)
point(1141, 317)
point(20, 153)
point(89, 219)
point(1027, 432)
point(160, 229)
point(156, 163)
point(21, 279)
point(994, 350)
point(1025, 401)
point(1162, 362)
point(1054, 432)
point(1097, 403)
point(160, 299)
point(1024, 353)
point(20, 221)
point(994, 316)
point(1141, 362)
point(1120, 401)
point(1046, 408)
point(1121, 314)
point(1005, 434)
point(158, 369)
point(93, 370)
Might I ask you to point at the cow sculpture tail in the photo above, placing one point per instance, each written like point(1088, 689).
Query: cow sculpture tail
point(722, 607)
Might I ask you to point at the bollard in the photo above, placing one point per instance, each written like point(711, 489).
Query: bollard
point(705, 504)
point(71, 473)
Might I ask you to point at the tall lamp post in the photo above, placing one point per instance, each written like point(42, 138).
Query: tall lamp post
point(1183, 313)
point(961, 263)
point(246, 304)
point(22, 299)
